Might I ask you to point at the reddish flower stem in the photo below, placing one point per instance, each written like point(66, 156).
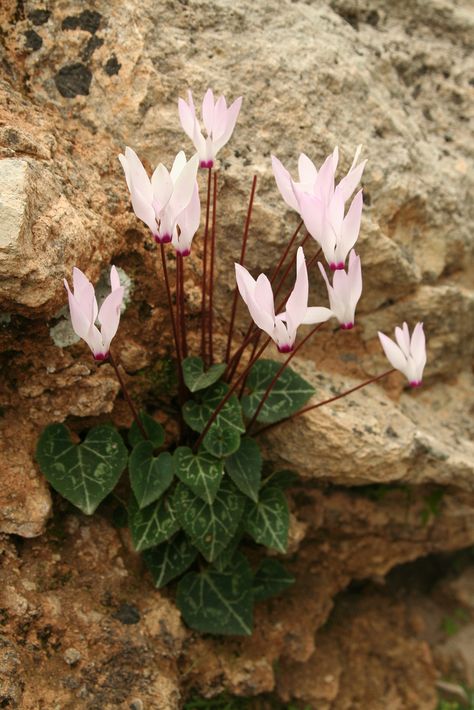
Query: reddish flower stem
point(127, 397)
point(211, 275)
point(326, 401)
point(224, 401)
point(182, 320)
point(279, 372)
point(285, 253)
point(288, 268)
point(173, 323)
point(204, 268)
point(241, 262)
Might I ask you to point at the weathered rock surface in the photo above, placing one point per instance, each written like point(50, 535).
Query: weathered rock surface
point(78, 83)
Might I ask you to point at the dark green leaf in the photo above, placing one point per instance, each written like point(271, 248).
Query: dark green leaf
point(281, 479)
point(83, 473)
point(245, 467)
point(150, 475)
point(194, 376)
point(223, 437)
point(201, 472)
point(287, 396)
point(170, 559)
point(226, 556)
point(270, 579)
point(210, 527)
point(216, 602)
point(156, 433)
point(268, 520)
point(152, 525)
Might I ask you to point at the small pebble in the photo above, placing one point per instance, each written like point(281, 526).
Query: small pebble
point(71, 656)
point(136, 704)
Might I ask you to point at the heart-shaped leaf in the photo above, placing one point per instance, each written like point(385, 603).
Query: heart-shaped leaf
point(150, 475)
point(270, 579)
point(210, 527)
point(224, 559)
point(194, 376)
point(289, 393)
point(83, 473)
point(268, 520)
point(170, 559)
point(218, 602)
point(154, 430)
point(245, 467)
point(152, 525)
point(201, 472)
point(223, 437)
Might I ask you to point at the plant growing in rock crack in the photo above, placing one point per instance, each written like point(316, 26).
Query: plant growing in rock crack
point(193, 501)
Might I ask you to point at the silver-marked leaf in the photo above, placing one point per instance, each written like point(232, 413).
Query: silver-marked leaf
point(154, 430)
point(210, 527)
point(289, 393)
point(223, 437)
point(268, 520)
point(201, 472)
point(245, 467)
point(216, 602)
point(152, 525)
point(194, 376)
point(150, 476)
point(270, 579)
point(83, 473)
point(224, 559)
point(170, 559)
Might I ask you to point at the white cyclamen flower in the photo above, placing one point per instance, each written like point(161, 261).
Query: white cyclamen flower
point(409, 356)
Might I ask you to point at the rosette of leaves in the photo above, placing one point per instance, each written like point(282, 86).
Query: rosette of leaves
point(192, 513)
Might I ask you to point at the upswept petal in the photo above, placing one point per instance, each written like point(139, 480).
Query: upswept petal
point(284, 184)
point(84, 293)
point(162, 187)
point(109, 316)
point(297, 303)
point(184, 186)
point(231, 119)
point(324, 187)
point(79, 319)
point(178, 164)
point(114, 278)
point(402, 336)
point(137, 174)
point(349, 183)
point(317, 314)
point(208, 111)
point(187, 116)
point(393, 353)
point(307, 173)
point(354, 275)
point(219, 119)
point(350, 227)
point(418, 346)
point(264, 295)
point(188, 222)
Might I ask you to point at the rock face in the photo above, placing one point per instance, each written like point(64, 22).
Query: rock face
point(78, 82)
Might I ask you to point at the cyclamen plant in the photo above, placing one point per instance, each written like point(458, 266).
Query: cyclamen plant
point(197, 501)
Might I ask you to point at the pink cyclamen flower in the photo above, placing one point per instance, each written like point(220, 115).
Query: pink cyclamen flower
point(409, 356)
point(345, 291)
point(219, 122)
point(321, 204)
point(336, 233)
point(84, 312)
point(160, 202)
point(317, 183)
point(258, 296)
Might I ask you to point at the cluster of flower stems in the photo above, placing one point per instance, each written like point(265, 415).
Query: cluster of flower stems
point(251, 346)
